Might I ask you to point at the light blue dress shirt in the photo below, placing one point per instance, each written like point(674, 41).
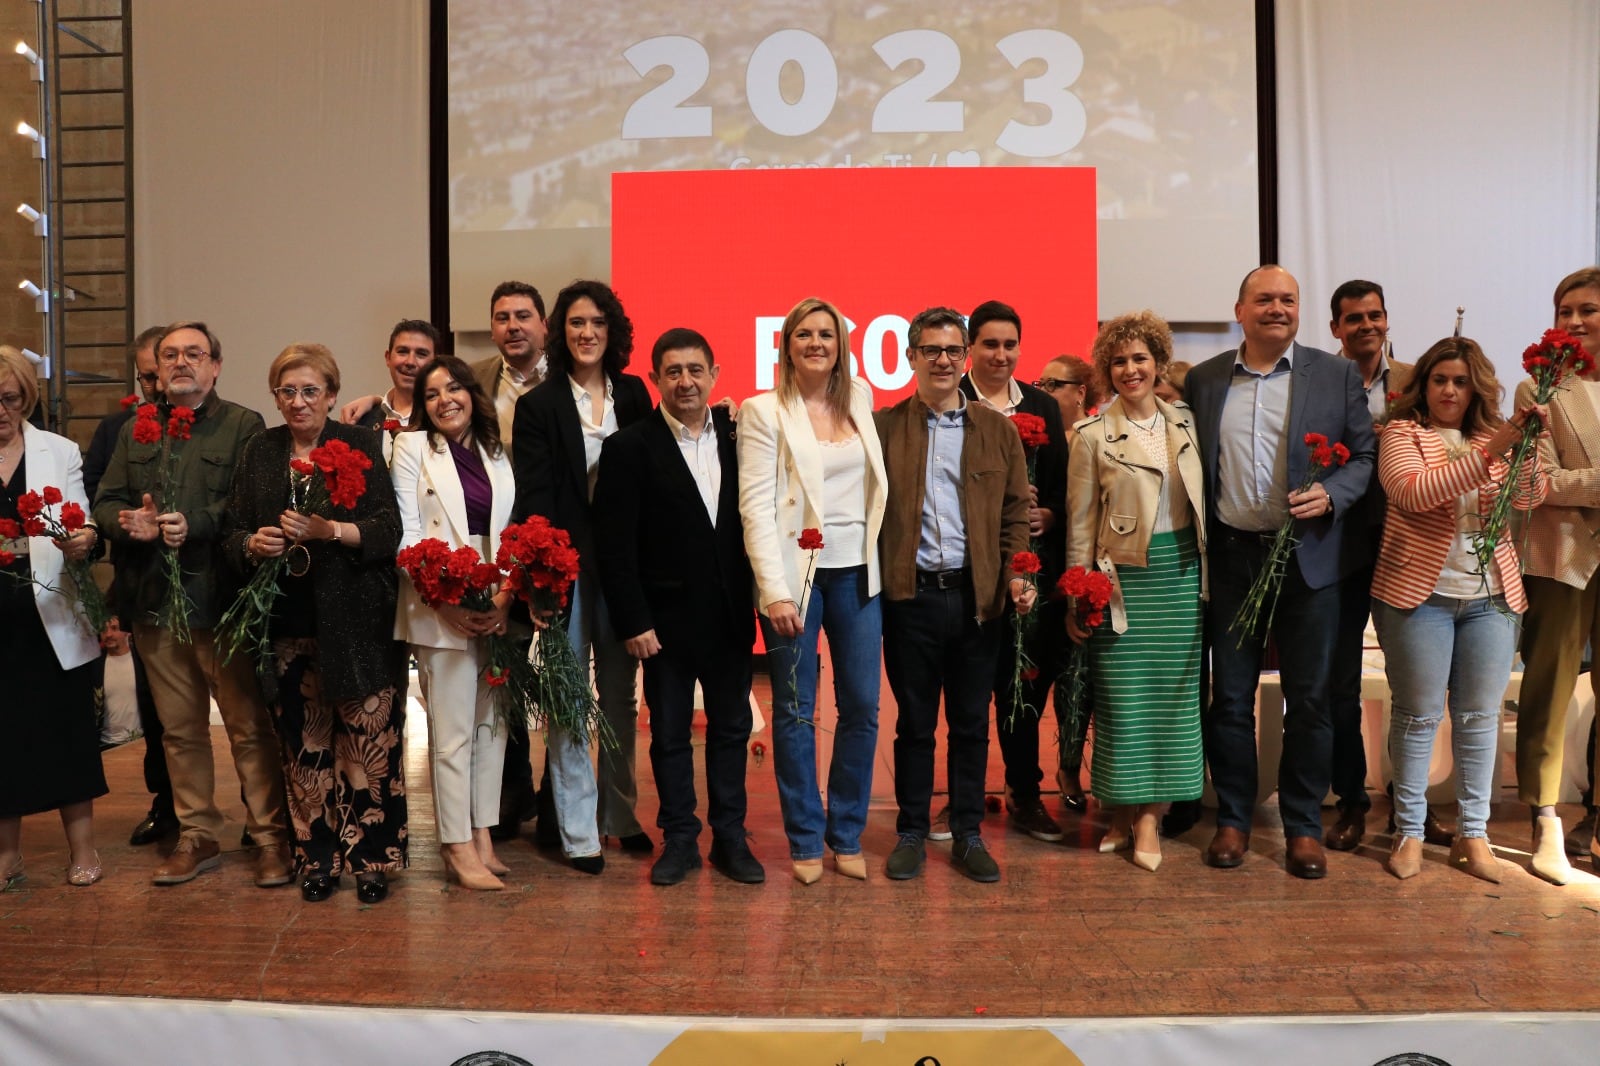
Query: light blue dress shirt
point(944, 530)
point(1253, 451)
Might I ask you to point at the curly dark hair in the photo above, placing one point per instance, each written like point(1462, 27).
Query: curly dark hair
point(619, 328)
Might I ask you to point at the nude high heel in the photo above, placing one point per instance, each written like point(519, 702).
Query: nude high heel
point(1472, 855)
point(853, 866)
point(1120, 836)
point(808, 871)
point(1147, 840)
point(477, 880)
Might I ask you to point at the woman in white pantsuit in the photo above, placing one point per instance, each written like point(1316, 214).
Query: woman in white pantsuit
point(453, 481)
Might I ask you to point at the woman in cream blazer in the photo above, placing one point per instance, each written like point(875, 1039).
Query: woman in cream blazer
point(49, 741)
point(467, 745)
point(809, 459)
point(1136, 511)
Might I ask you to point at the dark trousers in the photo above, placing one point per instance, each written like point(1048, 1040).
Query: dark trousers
point(723, 671)
point(1046, 646)
point(156, 781)
point(933, 645)
point(1344, 690)
point(1305, 630)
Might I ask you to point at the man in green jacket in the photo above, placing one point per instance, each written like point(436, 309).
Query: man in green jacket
point(148, 515)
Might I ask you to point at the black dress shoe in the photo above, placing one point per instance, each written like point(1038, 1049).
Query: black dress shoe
point(246, 840)
point(1181, 817)
point(372, 887)
point(589, 864)
point(314, 888)
point(734, 859)
point(678, 857)
point(155, 827)
point(637, 843)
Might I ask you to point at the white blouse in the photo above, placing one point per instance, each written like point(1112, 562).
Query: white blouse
point(844, 487)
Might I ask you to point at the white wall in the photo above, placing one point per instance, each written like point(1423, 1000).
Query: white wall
point(1445, 149)
point(281, 178)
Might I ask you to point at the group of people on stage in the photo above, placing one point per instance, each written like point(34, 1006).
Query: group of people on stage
point(913, 535)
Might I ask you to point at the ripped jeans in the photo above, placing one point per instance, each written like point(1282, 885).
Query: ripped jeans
point(1442, 649)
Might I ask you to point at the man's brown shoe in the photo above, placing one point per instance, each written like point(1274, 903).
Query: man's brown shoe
point(193, 856)
point(1306, 859)
point(274, 867)
point(1346, 833)
point(1227, 848)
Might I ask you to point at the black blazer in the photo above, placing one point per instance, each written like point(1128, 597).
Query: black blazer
point(662, 566)
point(1050, 475)
point(548, 461)
point(354, 589)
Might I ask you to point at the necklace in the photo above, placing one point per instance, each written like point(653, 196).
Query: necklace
point(1148, 426)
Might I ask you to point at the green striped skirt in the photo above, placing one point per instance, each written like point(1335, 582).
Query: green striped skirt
point(1147, 746)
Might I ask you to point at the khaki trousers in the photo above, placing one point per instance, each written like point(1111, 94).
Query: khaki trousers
point(1560, 621)
point(183, 679)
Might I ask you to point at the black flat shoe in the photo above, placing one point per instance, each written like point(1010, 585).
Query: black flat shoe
point(372, 887)
point(589, 864)
point(314, 888)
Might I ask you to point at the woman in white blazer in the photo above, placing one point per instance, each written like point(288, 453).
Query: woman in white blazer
point(453, 481)
point(809, 459)
point(49, 741)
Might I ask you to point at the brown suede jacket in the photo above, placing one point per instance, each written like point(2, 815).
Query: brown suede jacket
point(994, 501)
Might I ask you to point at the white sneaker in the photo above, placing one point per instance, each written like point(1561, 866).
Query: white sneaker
point(941, 825)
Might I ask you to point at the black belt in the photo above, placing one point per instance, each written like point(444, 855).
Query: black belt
point(943, 580)
point(1244, 536)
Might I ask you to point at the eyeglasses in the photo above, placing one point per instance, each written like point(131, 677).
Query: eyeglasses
point(151, 378)
point(287, 393)
point(192, 356)
point(11, 401)
point(1052, 384)
point(933, 353)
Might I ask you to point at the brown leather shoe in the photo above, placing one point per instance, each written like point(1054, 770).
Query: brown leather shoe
point(1306, 859)
point(1227, 848)
point(193, 856)
point(1346, 833)
point(1405, 858)
point(273, 865)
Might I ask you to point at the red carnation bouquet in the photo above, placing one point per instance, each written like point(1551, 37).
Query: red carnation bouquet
point(810, 540)
point(1263, 594)
point(37, 521)
point(460, 578)
point(1032, 430)
point(149, 428)
point(335, 475)
point(540, 565)
point(1088, 593)
point(1554, 363)
point(1025, 565)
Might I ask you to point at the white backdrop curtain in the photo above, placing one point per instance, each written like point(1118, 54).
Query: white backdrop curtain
point(1445, 149)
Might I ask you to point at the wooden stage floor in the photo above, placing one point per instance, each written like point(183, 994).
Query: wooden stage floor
point(1068, 933)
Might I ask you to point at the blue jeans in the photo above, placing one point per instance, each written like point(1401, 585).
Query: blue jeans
point(1445, 648)
point(839, 605)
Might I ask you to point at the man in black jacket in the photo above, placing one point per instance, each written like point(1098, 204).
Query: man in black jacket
point(672, 564)
point(996, 331)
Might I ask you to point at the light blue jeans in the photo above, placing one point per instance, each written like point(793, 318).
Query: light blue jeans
point(589, 804)
point(853, 620)
point(1445, 650)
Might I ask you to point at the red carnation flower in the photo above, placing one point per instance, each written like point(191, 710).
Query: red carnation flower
point(391, 425)
point(9, 529)
point(1025, 563)
point(180, 423)
point(52, 495)
point(1341, 454)
point(30, 505)
point(146, 430)
point(1031, 428)
point(72, 518)
point(131, 400)
point(496, 676)
point(810, 540)
point(303, 467)
point(1316, 440)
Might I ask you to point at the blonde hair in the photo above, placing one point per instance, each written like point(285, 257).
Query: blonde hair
point(314, 357)
point(838, 391)
point(14, 364)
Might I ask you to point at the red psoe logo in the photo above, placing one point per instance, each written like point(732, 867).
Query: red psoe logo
point(728, 252)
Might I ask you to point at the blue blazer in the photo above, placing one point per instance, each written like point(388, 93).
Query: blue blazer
point(1325, 396)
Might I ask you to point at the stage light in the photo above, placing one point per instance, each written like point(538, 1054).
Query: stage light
point(33, 357)
point(25, 130)
point(41, 222)
point(35, 64)
point(28, 213)
point(41, 299)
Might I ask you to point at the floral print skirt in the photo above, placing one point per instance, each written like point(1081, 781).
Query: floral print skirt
point(342, 768)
